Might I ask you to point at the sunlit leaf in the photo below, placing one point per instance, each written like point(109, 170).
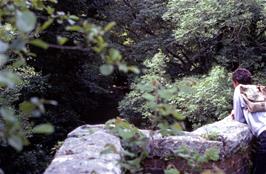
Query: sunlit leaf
point(51, 102)
point(25, 21)
point(171, 171)
point(18, 44)
point(50, 10)
point(109, 26)
point(126, 133)
point(178, 115)
point(3, 59)
point(123, 67)
point(8, 115)
point(106, 69)
point(74, 28)
point(35, 100)
point(134, 69)
point(9, 79)
point(16, 142)
point(148, 96)
point(47, 24)
point(39, 43)
point(3, 47)
point(74, 17)
point(36, 113)
point(38, 4)
point(165, 93)
point(115, 56)
point(53, 1)
point(43, 129)
point(61, 40)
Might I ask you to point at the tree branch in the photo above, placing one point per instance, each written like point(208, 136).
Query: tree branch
point(75, 48)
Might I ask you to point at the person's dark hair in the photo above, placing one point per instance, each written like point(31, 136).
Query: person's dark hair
point(242, 76)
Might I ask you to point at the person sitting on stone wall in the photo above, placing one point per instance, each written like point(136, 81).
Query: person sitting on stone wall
point(255, 120)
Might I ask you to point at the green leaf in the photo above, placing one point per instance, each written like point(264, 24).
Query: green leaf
point(27, 107)
point(3, 47)
point(61, 40)
point(125, 133)
point(74, 28)
point(148, 97)
point(134, 69)
point(9, 79)
point(16, 142)
point(165, 93)
point(18, 44)
point(8, 115)
point(115, 56)
point(43, 129)
point(47, 24)
point(212, 154)
point(50, 10)
point(74, 17)
point(39, 43)
point(53, 1)
point(106, 69)
point(109, 26)
point(178, 116)
point(176, 127)
point(171, 171)
point(25, 21)
point(3, 59)
point(19, 63)
point(123, 67)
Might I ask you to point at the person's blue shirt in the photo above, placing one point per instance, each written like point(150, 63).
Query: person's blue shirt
point(256, 120)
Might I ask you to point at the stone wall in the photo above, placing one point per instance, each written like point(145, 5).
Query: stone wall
point(231, 138)
point(82, 151)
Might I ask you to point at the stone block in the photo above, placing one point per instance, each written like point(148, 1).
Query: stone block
point(82, 152)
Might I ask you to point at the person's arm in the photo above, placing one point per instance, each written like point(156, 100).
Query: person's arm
point(238, 108)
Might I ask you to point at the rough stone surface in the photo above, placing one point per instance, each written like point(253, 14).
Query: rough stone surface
point(230, 137)
point(232, 134)
point(227, 136)
point(238, 163)
point(81, 153)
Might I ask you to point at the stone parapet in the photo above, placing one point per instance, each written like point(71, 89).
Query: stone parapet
point(81, 153)
point(231, 138)
point(82, 150)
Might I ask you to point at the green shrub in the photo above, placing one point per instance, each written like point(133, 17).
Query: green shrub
point(18, 123)
point(134, 107)
point(205, 99)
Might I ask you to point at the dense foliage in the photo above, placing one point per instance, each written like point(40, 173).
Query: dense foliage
point(205, 99)
point(194, 34)
point(200, 99)
point(134, 106)
point(24, 39)
point(231, 33)
point(206, 33)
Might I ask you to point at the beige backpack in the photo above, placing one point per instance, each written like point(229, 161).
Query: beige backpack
point(254, 96)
